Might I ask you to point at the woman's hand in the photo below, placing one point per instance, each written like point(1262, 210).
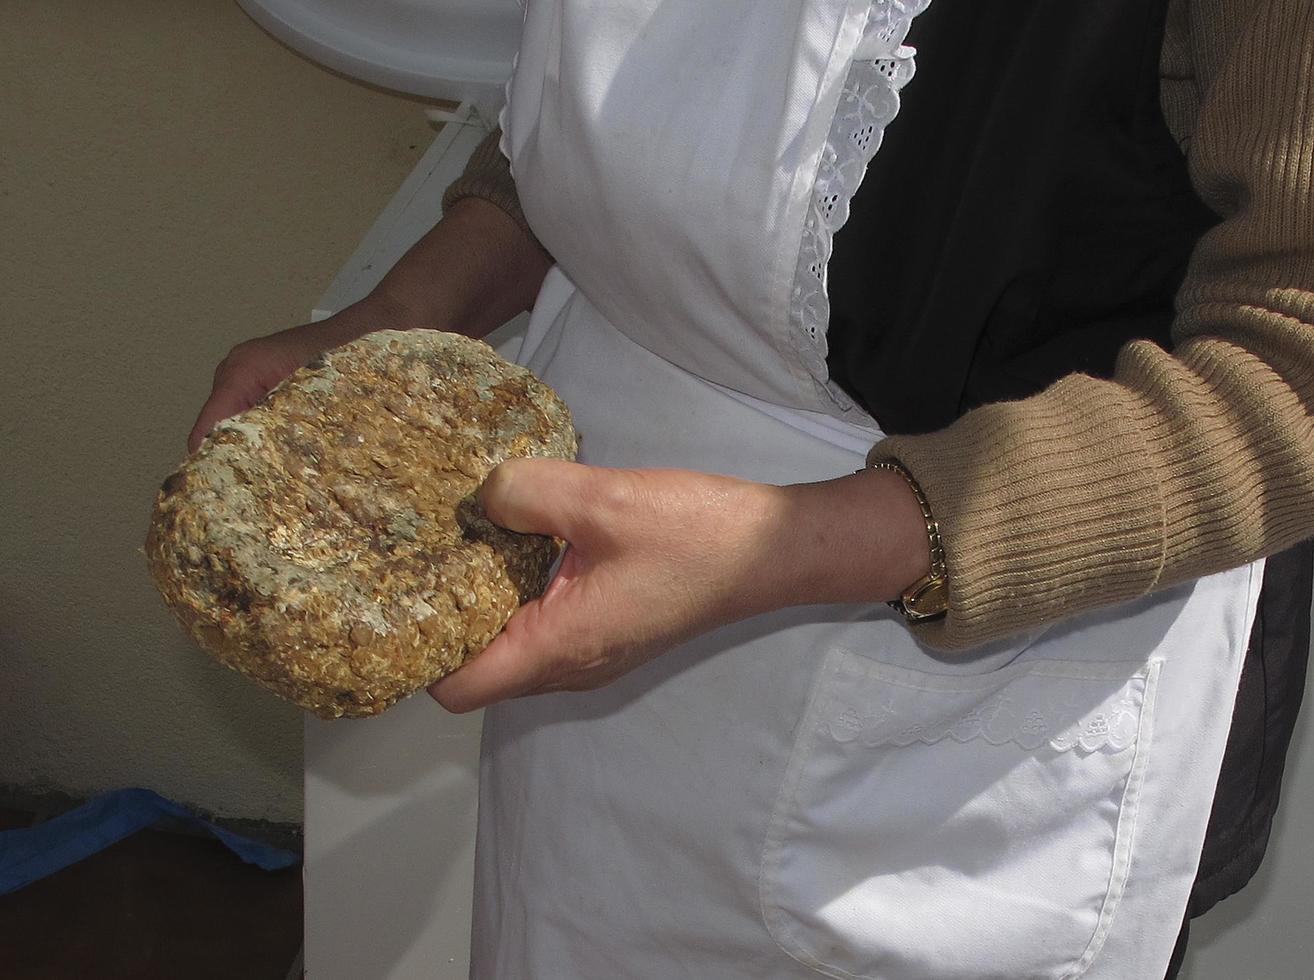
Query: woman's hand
point(470, 273)
point(656, 557)
point(250, 371)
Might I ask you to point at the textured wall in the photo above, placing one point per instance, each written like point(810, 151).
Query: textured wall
point(171, 181)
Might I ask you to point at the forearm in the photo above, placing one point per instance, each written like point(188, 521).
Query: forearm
point(476, 269)
point(859, 538)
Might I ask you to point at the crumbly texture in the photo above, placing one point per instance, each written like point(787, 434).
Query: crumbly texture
point(328, 543)
point(1184, 463)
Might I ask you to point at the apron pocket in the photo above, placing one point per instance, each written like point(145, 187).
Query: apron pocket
point(962, 827)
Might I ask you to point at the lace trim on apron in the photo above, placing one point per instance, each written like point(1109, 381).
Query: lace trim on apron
point(502, 143)
point(1059, 722)
point(882, 65)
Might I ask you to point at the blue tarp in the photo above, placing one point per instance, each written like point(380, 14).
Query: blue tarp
point(31, 853)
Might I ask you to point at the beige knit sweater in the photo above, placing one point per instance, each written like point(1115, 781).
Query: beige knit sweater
point(1184, 463)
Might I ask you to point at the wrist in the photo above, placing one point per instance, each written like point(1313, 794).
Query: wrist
point(928, 596)
point(859, 538)
point(374, 312)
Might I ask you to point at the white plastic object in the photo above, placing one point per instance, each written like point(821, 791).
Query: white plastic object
point(444, 49)
point(463, 115)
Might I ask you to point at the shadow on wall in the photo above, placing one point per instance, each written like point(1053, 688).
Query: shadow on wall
point(228, 702)
point(11, 681)
point(38, 693)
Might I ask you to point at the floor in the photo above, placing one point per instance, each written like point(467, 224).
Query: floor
point(156, 906)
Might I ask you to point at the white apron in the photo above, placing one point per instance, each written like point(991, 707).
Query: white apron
point(808, 792)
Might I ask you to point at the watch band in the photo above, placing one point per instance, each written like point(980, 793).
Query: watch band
point(928, 597)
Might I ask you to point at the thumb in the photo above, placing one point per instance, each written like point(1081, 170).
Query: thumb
point(516, 663)
point(537, 496)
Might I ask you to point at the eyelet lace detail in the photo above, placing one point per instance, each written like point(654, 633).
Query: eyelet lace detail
point(503, 141)
point(870, 101)
point(999, 720)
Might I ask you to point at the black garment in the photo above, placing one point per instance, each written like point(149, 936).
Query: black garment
point(1179, 950)
point(1028, 214)
point(1267, 703)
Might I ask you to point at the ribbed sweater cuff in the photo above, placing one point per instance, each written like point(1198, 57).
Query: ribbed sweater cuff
point(1046, 506)
point(487, 176)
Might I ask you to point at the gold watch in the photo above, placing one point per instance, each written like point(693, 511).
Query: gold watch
point(928, 597)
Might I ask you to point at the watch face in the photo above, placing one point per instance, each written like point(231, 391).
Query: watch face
point(927, 599)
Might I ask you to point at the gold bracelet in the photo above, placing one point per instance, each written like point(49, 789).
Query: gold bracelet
point(928, 597)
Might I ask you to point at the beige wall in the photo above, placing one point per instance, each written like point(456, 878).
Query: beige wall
point(171, 181)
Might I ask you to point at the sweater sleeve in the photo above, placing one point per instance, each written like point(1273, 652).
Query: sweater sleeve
point(1183, 464)
point(487, 175)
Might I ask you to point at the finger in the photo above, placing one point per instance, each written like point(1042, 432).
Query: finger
point(507, 668)
point(204, 423)
point(539, 496)
point(213, 412)
point(221, 405)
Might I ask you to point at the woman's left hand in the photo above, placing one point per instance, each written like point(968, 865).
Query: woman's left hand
point(656, 557)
